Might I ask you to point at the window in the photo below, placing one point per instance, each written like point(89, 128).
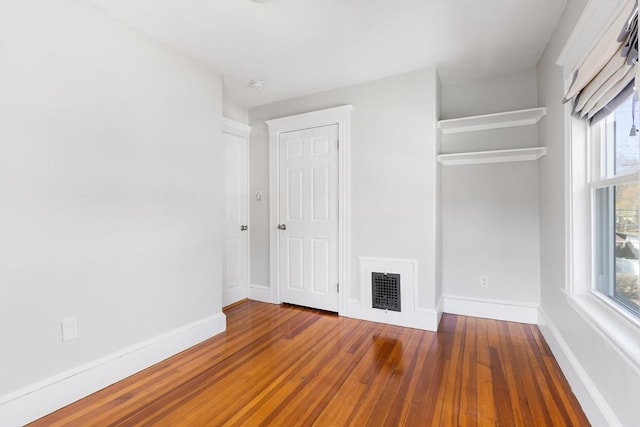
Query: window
point(615, 203)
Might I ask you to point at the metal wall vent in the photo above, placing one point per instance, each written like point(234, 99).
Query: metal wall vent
point(385, 290)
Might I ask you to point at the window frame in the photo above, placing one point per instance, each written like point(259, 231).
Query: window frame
point(619, 332)
point(619, 329)
point(601, 156)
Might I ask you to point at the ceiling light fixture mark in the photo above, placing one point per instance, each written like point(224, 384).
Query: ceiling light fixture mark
point(256, 84)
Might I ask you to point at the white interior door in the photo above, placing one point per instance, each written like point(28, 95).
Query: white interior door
point(308, 217)
point(236, 254)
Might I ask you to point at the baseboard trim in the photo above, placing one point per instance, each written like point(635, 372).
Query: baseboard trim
point(593, 403)
point(234, 304)
point(511, 311)
point(439, 310)
point(39, 399)
point(424, 319)
point(260, 293)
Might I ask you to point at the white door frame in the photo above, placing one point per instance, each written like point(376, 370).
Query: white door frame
point(340, 116)
point(231, 127)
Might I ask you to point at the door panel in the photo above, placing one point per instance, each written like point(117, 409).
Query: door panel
point(295, 261)
point(320, 194)
point(320, 257)
point(233, 263)
point(308, 194)
point(294, 198)
point(236, 257)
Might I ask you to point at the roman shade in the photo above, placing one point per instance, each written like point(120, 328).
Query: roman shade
point(607, 75)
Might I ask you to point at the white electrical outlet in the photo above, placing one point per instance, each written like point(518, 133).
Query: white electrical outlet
point(484, 282)
point(69, 328)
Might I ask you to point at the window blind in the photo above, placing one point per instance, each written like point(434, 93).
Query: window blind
point(607, 75)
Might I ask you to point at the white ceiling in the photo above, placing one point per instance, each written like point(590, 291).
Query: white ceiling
point(300, 47)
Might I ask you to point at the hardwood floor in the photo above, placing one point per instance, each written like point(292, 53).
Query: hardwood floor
point(289, 366)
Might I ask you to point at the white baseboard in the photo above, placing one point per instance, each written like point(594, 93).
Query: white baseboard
point(424, 319)
point(593, 403)
point(439, 310)
point(37, 400)
point(512, 311)
point(260, 293)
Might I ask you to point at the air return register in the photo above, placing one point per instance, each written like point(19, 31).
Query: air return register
point(385, 291)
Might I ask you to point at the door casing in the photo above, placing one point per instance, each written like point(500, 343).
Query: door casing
point(241, 130)
point(340, 116)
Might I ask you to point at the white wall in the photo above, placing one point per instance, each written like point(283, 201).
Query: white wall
point(490, 211)
point(111, 189)
point(599, 377)
point(514, 91)
point(393, 173)
point(231, 109)
point(490, 228)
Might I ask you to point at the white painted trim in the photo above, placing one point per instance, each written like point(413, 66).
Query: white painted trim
point(340, 116)
point(578, 245)
point(505, 119)
point(260, 293)
point(36, 400)
point(412, 315)
point(620, 331)
point(511, 311)
point(250, 227)
point(235, 128)
point(493, 156)
point(232, 127)
point(393, 265)
point(568, 206)
point(439, 310)
point(596, 17)
point(591, 400)
point(273, 216)
point(616, 180)
point(436, 290)
point(326, 117)
point(424, 319)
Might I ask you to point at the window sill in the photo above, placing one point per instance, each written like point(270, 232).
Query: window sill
point(621, 332)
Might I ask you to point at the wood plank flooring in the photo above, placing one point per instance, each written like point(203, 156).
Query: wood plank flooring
point(291, 366)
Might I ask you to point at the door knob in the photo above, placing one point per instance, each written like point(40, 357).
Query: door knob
point(282, 226)
point(243, 228)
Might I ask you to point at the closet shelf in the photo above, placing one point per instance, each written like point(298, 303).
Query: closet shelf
point(497, 156)
point(492, 121)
